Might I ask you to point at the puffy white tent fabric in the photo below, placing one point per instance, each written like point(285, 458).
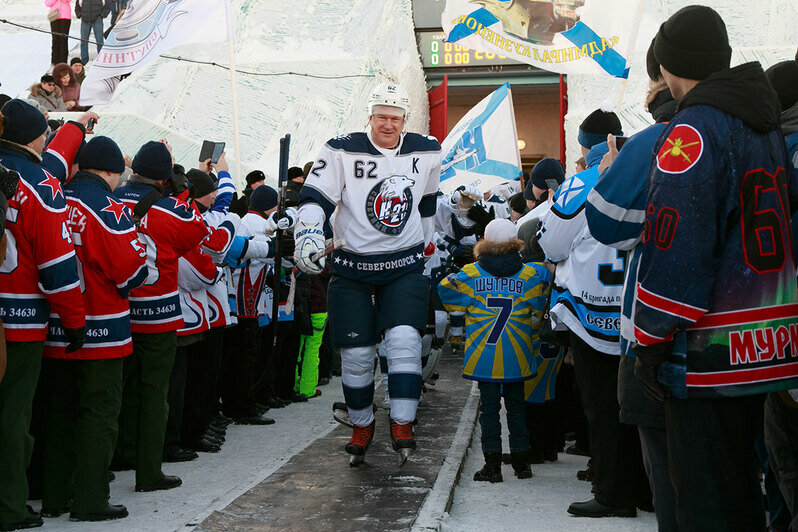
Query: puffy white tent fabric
point(764, 31)
point(186, 103)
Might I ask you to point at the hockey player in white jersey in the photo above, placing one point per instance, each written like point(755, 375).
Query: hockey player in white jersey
point(382, 184)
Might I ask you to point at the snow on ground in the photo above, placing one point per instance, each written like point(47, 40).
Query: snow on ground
point(535, 504)
point(211, 482)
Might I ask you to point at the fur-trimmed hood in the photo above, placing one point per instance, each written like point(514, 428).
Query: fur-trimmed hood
point(500, 259)
point(489, 247)
point(37, 90)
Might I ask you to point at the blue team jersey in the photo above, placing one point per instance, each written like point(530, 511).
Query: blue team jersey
point(543, 387)
point(502, 317)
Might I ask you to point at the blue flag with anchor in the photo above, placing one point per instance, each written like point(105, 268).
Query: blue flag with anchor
point(563, 36)
point(482, 149)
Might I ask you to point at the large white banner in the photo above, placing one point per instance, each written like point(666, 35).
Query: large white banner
point(482, 149)
point(564, 36)
point(147, 29)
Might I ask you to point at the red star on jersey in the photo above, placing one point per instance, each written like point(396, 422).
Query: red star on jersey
point(180, 203)
point(54, 184)
point(118, 209)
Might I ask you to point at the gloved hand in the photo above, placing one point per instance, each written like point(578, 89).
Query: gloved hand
point(479, 215)
point(464, 255)
point(286, 222)
point(76, 338)
point(309, 238)
point(648, 361)
point(9, 179)
point(471, 191)
point(287, 246)
point(429, 251)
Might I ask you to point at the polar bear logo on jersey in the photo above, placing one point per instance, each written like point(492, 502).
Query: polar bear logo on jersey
point(389, 204)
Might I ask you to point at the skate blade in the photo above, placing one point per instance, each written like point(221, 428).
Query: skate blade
point(356, 460)
point(404, 454)
point(342, 417)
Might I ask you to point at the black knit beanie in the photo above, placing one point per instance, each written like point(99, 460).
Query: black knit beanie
point(202, 183)
point(101, 153)
point(154, 161)
point(784, 78)
point(548, 168)
point(652, 65)
point(598, 124)
point(263, 199)
point(23, 122)
point(693, 43)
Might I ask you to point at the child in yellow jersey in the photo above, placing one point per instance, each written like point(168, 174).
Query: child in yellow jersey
point(503, 300)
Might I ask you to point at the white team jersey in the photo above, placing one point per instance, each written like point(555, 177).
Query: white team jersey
point(381, 196)
point(588, 280)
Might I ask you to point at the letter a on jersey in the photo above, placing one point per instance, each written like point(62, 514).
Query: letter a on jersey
point(681, 150)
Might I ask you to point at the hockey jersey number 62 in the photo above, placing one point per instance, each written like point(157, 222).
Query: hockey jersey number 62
point(378, 193)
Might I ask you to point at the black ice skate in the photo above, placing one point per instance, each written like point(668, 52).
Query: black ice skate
point(402, 438)
point(359, 444)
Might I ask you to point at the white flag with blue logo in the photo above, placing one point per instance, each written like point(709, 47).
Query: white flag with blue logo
point(482, 149)
point(564, 36)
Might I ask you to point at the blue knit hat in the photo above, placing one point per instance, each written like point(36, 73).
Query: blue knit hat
point(24, 123)
point(154, 161)
point(102, 153)
point(548, 168)
point(263, 198)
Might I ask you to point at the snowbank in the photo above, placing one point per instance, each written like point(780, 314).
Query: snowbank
point(371, 39)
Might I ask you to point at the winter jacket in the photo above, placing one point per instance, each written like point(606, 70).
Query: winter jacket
point(169, 230)
point(615, 212)
point(39, 277)
point(52, 101)
point(70, 92)
point(90, 10)
point(503, 301)
point(716, 291)
point(111, 262)
point(63, 6)
point(588, 284)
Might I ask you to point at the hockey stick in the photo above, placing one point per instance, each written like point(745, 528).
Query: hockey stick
point(282, 176)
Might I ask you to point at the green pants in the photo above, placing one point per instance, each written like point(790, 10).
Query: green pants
point(16, 443)
point(142, 421)
point(307, 367)
point(83, 398)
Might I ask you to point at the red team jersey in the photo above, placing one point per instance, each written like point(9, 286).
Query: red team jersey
point(169, 230)
point(39, 276)
point(111, 261)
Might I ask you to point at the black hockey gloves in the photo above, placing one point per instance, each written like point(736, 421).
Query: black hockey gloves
point(648, 361)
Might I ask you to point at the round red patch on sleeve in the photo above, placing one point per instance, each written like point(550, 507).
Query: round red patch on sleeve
point(681, 150)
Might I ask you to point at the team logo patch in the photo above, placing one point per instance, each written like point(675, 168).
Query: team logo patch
point(389, 204)
point(681, 150)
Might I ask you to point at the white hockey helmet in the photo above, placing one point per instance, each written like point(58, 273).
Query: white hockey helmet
point(390, 94)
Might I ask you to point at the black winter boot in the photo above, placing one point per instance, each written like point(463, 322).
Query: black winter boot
point(520, 462)
point(492, 472)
